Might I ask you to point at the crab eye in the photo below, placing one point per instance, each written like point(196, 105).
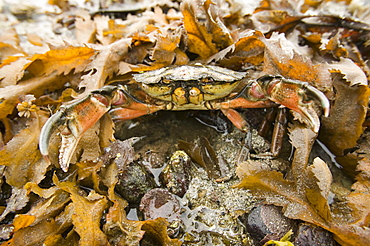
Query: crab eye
point(194, 92)
point(179, 92)
point(195, 96)
point(179, 96)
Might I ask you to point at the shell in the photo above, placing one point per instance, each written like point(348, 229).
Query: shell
point(189, 72)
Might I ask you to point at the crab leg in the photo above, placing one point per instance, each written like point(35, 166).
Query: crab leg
point(135, 110)
point(292, 94)
point(234, 116)
point(278, 132)
point(279, 117)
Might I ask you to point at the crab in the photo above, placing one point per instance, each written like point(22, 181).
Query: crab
point(184, 87)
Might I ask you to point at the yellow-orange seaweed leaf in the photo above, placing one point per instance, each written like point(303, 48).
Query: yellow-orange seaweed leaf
point(88, 211)
point(282, 57)
point(318, 183)
point(22, 157)
point(22, 221)
point(338, 131)
point(35, 234)
point(199, 39)
point(157, 230)
point(60, 61)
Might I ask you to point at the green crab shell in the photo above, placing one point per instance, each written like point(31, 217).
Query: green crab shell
point(209, 82)
point(188, 73)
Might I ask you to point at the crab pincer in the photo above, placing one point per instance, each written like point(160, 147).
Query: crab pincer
point(270, 91)
point(75, 118)
point(292, 94)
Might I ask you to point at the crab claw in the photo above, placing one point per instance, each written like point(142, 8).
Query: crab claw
point(76, 118)
point(293, 95)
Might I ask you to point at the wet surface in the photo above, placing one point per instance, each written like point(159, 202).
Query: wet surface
point(209, 206)
point(209, 209)
point(162, 131)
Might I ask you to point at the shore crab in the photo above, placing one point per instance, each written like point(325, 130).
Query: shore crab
point(184, 87)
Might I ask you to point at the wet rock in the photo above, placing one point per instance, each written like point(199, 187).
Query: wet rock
point(176, 175)
point(161, 203)
point(267, 222)
point(122, 152)
point(210, 211)
point(310, 235)
point(134, 181)
point(153, 159)
point(256, 143)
